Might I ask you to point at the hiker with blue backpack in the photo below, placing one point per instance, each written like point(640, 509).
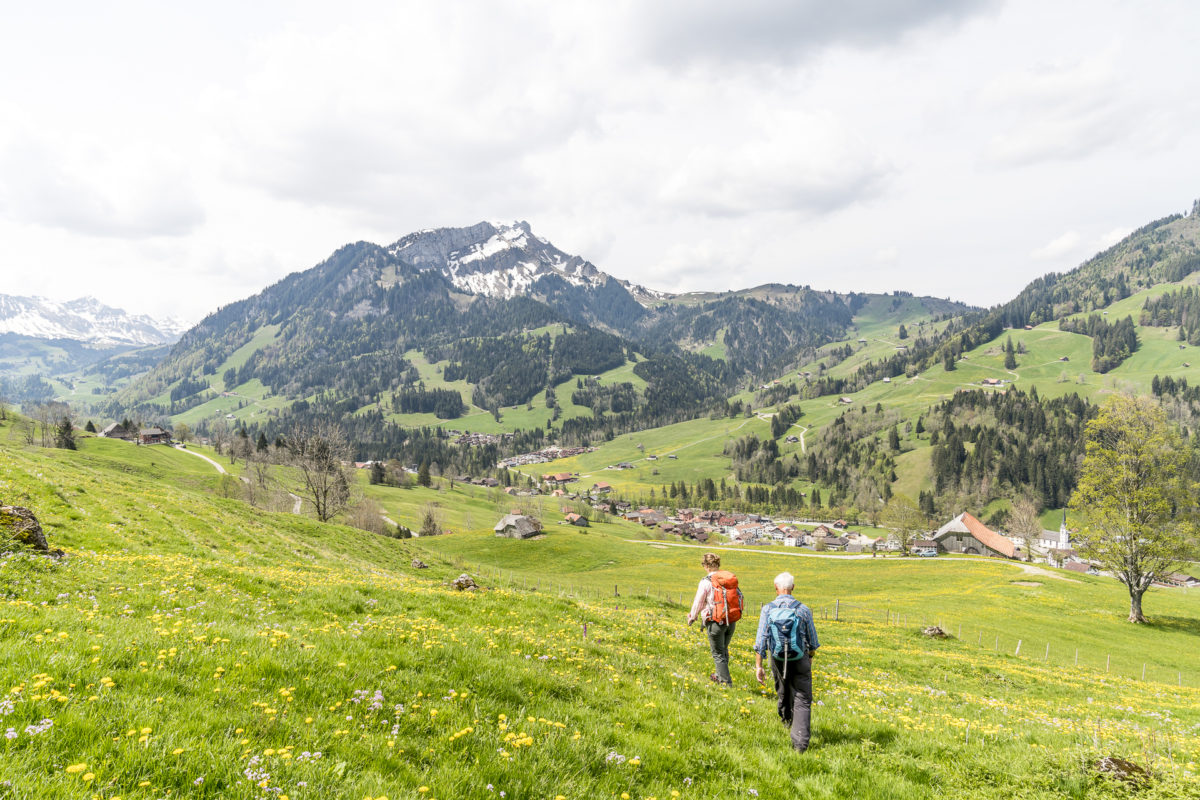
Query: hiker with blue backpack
point(787, 635)
point(718, 604)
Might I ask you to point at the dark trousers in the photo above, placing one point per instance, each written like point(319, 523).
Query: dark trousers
point(793, 690)
point(718, 641)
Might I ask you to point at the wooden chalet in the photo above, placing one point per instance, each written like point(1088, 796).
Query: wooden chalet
point(118, 431)
point(153, 435)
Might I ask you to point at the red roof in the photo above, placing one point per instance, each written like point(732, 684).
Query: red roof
point(989, 537)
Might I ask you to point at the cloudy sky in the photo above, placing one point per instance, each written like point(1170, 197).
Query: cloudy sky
point(169, 159)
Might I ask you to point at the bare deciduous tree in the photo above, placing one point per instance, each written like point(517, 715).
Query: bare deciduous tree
point(1025, 522)
point(320, 454)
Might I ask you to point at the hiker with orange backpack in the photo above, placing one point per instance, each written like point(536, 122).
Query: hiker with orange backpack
point(718, 605)
point(786, 633)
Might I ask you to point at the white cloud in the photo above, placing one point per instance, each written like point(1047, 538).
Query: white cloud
point(125, 192)
point(1061, 111)
point(680, 144)
point(1058, 247)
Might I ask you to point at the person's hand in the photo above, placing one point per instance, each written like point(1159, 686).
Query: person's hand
point(812, 653)
point(761, 674)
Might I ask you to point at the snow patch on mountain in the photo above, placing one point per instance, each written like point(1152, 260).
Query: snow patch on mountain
point(497, 259)
point(84, 320)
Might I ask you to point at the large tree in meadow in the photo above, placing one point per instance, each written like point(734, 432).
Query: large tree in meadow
point(1135, 496)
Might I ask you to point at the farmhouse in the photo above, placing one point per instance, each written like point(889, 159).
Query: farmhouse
point(601, 488)
point(117, 431)
point(577, 520)
point(153, 435)
point(518, 526)
point(967, 535)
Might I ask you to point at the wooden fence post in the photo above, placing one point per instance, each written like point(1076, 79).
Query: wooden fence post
point(1108, 662)
point(1018, 648)
point(1047, 658)
point(836, 604)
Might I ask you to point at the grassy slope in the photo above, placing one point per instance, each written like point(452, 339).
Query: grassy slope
point(877, 322)
point(186, 640)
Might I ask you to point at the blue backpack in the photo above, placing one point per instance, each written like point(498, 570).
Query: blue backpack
point(787, 636)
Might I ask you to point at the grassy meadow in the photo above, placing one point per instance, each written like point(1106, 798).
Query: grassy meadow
point(189, 645)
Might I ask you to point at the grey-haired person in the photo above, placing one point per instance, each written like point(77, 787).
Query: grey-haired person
point(787, 635)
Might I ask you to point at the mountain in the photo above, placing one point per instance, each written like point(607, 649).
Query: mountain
point(85, 320)
point(507, 260)
point(469, 321)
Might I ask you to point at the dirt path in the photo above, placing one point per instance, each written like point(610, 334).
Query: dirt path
point(296, 507)
point(218, 467)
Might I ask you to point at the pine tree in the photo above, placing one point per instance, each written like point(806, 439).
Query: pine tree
point(64, 434)
point(423, 478)
point(90, 427)
point(1010, 357)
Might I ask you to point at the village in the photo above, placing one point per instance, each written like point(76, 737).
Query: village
point(964, 535)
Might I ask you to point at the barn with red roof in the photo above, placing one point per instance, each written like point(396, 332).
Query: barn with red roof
point(967, 535)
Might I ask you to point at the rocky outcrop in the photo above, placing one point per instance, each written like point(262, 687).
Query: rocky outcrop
point(464, 583)
point(20, 524)
point(419, 564)
point(1123, 770)
point(934, 632)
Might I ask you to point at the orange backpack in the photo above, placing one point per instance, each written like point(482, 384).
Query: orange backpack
point(727, 597)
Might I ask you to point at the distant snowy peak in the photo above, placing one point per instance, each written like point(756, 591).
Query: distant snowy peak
point(494, 259)
point(83, 320)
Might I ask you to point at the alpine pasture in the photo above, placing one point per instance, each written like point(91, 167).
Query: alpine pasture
point(189, 645)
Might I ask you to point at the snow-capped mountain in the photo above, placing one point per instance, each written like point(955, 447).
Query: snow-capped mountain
point(84, 320)
point(502, 260)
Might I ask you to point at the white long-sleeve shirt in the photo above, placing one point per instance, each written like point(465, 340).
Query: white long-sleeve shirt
point(702, 605)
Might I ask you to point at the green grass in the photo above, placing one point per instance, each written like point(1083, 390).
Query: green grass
point(697, 445)
point(186, 639)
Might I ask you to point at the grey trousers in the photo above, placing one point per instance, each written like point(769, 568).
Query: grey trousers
point(794, 693)
point(718, 641)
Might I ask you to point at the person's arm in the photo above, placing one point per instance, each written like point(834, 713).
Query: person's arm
point(700, 600)
point(813, 644)
point(760, 646)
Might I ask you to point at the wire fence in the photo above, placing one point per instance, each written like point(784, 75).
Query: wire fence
point(1034, 649)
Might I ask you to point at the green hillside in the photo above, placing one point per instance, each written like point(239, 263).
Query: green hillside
point(189, 645)
point(1054, 362)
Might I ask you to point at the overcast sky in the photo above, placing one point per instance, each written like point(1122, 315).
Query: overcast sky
point(169, 160)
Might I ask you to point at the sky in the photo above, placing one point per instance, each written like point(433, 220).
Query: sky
point(170, 158)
